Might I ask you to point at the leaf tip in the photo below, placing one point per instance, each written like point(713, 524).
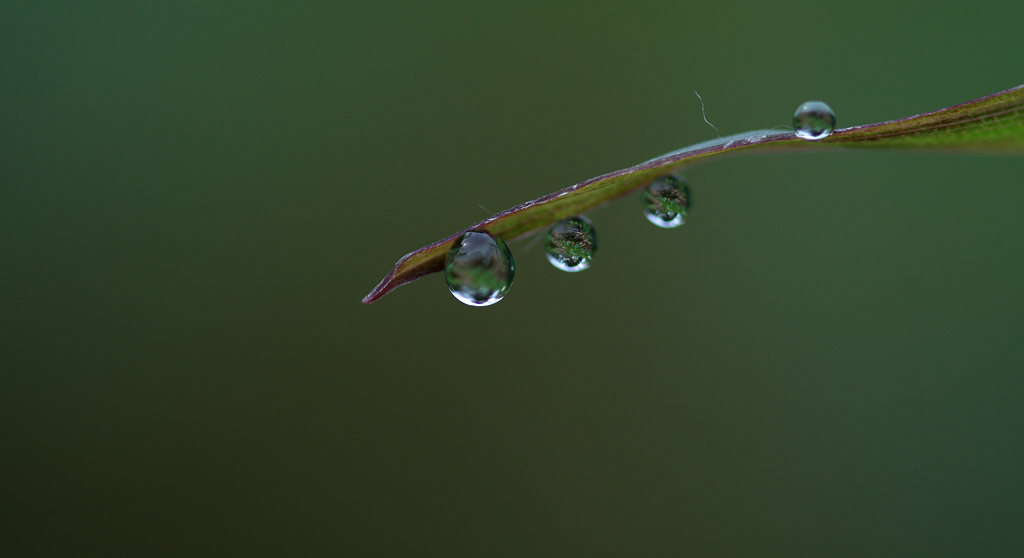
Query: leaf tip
point(381, 289)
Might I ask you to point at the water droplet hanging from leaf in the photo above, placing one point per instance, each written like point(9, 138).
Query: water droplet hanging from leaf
point(479, 268)
point(571, 244)
point(666, 201)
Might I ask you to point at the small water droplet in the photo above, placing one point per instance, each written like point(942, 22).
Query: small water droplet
point(479, 268)
point(814, 120)
point(571, 244)
point(666, 201)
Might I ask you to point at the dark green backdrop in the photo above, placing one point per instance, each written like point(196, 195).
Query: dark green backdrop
point(826, 360)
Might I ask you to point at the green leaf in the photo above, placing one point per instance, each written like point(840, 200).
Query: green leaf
point(992, 123)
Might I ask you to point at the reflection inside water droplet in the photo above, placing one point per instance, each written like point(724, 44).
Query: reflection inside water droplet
point(571, 244)
point(479, 268)
point(666, 201)
point(814, 120)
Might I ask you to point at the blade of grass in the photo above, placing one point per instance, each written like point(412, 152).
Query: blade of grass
point(992, 123)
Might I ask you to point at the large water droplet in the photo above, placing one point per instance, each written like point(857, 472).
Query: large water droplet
point(814, 120)
point(571, 244)
point(667, 201)
point(479, 268)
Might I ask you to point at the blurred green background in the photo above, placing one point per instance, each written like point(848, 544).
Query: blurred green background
point(825, 360)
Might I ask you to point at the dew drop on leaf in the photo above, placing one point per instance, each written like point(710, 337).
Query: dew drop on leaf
point(666, 201)
point(479, 268)
point(814, 120)
point(571, 244)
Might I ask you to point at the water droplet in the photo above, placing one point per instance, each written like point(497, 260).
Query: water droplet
point(814, 120)
point(667, 201)
point(479, 268)
point(571, 244)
